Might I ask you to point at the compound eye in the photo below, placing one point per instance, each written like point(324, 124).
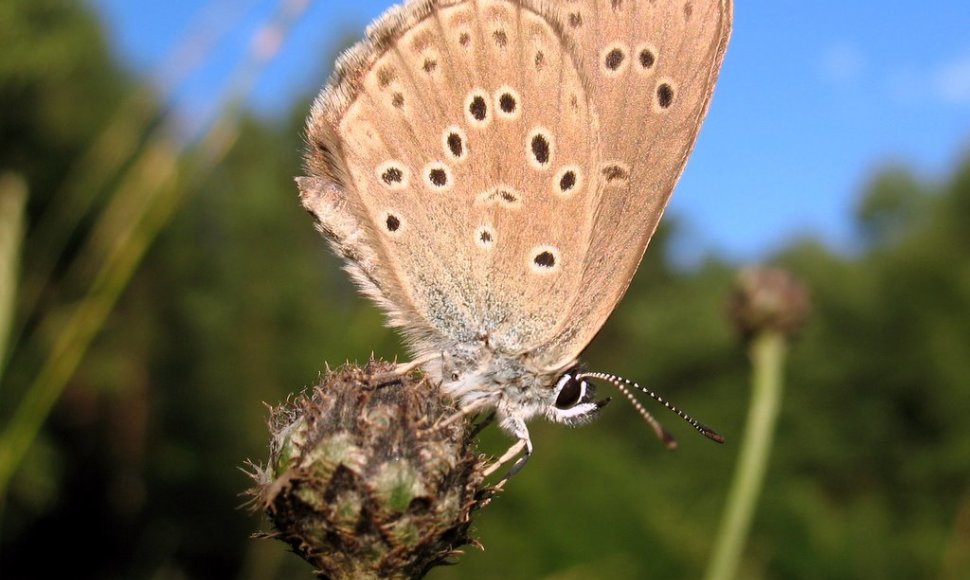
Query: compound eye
point(571, 391)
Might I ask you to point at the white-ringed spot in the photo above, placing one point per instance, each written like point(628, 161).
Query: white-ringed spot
point(645, 56)
point(393, 175)
point(485, 237)
point(437, 176)
point(392, 223)
point(477, 109)
point(665, 94)
point(614, 59)
point(508, 103)
point(454, 142)
point(568, 181)
point(540, 148)
point(544, 259)
point(429, 64)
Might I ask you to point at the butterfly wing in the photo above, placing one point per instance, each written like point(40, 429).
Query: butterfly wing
point(453, 164)
point(650, 67)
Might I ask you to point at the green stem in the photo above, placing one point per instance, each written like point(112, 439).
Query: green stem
point(159, 176)
point(767, 357)
point(72, 342)
point(13, 198)
point(122, 251)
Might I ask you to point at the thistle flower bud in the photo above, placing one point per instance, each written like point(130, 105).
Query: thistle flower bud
point(361, 483)
point(768, 299)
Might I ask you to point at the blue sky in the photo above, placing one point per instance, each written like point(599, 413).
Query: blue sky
point(814, 95)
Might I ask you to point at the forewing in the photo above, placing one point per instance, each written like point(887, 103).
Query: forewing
point(453, 162)
point(650, 66)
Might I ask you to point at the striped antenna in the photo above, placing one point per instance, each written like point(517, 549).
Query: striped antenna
point(624, 385)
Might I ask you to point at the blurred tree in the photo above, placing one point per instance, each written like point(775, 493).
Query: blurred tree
point(58, 85)
point(889, 206)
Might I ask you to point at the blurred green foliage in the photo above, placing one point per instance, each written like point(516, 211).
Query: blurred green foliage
point(135, 474)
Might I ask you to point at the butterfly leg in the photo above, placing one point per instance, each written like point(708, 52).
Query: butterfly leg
point(523, 446)
point(520, 430)
point(520, 463)
point(512, 451)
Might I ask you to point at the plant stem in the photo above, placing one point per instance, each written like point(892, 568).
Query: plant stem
point(13, 198)
point(72, 343)
point(154, 177)
point(767, 353)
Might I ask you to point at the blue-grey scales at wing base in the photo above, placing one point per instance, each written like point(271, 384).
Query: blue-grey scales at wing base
point(491, 171)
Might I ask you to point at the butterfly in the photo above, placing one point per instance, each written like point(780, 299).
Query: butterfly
point(491, 171)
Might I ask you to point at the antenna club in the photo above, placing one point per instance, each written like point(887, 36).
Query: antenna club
point(669, 441)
